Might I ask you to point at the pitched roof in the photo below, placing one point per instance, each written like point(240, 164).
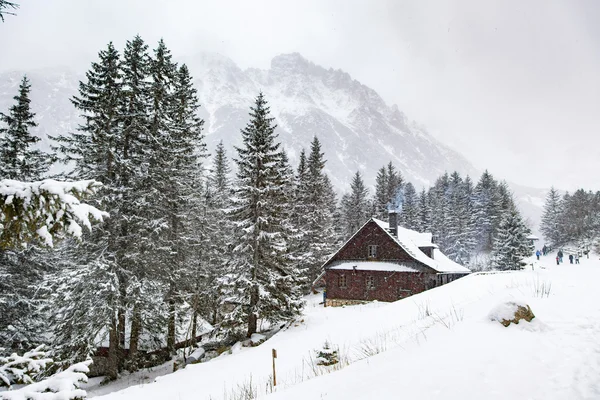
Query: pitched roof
point(405, 238)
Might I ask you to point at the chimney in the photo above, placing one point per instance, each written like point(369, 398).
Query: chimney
point(393, 222)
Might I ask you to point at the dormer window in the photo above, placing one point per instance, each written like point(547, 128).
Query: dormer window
point(372, 251)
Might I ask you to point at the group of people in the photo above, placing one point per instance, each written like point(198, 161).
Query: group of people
point(573, 258)
point(545, 250)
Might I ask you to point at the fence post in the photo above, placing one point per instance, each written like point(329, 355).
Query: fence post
point(274, 375)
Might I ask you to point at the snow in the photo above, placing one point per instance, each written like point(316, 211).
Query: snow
point(372, 266)
point(257, 338)
point(436, 344)
point(64, 385)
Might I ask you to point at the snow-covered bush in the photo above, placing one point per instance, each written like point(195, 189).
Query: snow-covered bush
point(327, 355)
point(44, 210)
point(25, 369)
point(64, 385)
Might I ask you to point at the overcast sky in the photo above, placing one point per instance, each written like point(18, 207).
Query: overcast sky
point(513, 85)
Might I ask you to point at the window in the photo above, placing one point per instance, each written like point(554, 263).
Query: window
point(342, 281)
point(370, 282)
point(372, 251)
point(402, 293)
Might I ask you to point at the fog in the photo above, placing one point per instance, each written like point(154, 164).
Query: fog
point(512, 85)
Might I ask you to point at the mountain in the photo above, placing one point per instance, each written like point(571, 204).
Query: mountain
point(357, 129)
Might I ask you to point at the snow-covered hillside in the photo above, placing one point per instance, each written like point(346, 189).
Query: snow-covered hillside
point(437, 344)
point(357, 129)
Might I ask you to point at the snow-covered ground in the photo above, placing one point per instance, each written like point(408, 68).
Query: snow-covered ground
point(437, 344)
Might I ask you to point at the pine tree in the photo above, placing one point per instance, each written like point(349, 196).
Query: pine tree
point(262, 282)
point(180, 151)
point(511, 245)
point(18, 159)
point(317, 218)
point(395, 182)
point(21, 268)
point(355, 206)
point(410, 208)
point(550, 225)
point(135, 106)
point(486, 209)
point(381, 200)
point(96, 150)
point(424, 213)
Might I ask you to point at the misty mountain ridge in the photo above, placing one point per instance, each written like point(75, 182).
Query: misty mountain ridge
point(357, 129)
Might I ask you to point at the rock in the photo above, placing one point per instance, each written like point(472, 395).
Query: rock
point(196, 356)
point(511, 312)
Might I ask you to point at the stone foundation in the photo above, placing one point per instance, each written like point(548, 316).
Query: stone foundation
point(343, 302)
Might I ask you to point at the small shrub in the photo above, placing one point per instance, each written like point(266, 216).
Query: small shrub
point(327, 355)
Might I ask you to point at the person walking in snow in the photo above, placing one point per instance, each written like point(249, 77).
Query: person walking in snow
point(537, 254)
point(571, 258)
point(577, 259)
point(544, 250)
point(557, 260)
point(560, 255)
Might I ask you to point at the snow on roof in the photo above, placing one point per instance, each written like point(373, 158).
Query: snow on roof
point(421, 239)
point(372, 266)
point(532, 237)
point(447, 265)
point(441, 263)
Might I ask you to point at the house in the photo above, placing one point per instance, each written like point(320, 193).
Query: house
point(386, 262)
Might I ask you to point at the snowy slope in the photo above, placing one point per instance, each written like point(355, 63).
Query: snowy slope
point(438, 344)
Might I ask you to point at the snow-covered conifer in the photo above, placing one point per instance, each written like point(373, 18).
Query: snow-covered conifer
point(262, 284)
point(550, 225)
point(511, 245)
point(355, 206)
point(18, 157)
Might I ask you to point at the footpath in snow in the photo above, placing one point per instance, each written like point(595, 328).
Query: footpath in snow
point(437, 344)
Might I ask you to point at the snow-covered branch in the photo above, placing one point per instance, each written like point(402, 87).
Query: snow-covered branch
point(44, 210)
point(63, 386)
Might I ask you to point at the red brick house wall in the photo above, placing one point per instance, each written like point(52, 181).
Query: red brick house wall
point(387, 285)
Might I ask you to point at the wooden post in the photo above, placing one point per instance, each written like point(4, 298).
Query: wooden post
point(274, 375)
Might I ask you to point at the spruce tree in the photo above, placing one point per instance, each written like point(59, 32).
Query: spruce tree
point(395, 182)
point(135, 106)
point(381, 200)
point(511, 245)
point(486, 209)
point(96, 150)
point(18, 159)
point(410, 208)
point(355, 206)
point(550, 225)
point(317, 219)
point(424, 213)
point(21, 268)
point(262, 284)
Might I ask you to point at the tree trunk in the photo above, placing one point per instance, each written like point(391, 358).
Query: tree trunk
point(113, 352)
point(134, 337)
point(194, 324)
point(121, 321)
point(171, 328)
point(252, 316)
